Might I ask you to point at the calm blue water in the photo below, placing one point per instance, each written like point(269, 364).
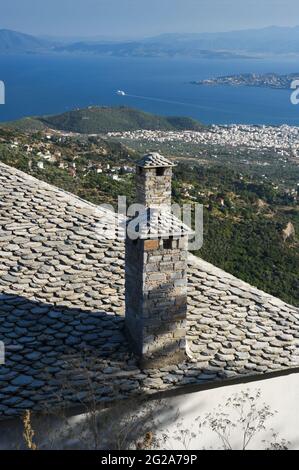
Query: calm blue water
point(38, 85)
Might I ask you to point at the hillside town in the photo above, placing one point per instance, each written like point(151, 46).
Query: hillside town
point(69, 152)
point(284, 140)
point(268, 80)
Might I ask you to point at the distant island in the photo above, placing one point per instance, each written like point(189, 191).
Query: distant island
point(268, 80)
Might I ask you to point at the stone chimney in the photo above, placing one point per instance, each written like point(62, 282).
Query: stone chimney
point(156, 270)
point(153, 180)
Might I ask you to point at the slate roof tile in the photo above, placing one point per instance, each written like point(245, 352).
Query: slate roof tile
point(154, 160)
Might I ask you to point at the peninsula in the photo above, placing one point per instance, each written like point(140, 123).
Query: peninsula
point(268, 80)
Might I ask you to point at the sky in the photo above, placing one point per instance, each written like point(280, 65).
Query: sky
point(141, 18)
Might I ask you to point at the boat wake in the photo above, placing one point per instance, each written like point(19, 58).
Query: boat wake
point(163, 100)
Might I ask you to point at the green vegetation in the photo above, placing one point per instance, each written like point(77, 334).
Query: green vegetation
point(243, 227)
point(253, 250)
point(263, 165)
point(28, 124)
point(86, 153)
point(97, 120)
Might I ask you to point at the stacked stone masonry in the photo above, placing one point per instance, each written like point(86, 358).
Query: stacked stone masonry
point(153, 189)
point(156, 295)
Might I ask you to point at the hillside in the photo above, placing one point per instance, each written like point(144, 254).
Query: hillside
point(96, 120)
point(15, 42)
point(149, 49)
point(269, 40)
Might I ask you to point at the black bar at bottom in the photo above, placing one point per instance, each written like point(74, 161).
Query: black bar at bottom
point(138, 459)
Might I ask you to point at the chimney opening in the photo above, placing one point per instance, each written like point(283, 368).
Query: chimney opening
point(167, 243)
point(160, 171)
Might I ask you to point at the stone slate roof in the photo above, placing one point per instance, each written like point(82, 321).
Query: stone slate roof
point(157, 222)
point(154, 160)
point(62, 310)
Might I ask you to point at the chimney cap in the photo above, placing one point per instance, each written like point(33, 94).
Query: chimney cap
point(154, 160)
point(157, 222)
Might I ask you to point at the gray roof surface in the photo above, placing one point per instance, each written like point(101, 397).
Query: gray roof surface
point(157, 222)
point(154, 160)
point(62, 310)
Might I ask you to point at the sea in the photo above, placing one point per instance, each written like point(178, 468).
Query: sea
point(52, 84)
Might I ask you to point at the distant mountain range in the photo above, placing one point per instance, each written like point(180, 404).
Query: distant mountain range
point(14, 42)
point(148, 48)
point(244, 43)
point(98, 120)
point(270, 40)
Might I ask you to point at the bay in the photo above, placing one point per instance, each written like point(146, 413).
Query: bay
point(51, 84)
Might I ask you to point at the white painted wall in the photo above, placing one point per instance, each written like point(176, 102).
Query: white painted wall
point(281, 394)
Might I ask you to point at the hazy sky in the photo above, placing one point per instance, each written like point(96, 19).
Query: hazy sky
point(135, 18)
